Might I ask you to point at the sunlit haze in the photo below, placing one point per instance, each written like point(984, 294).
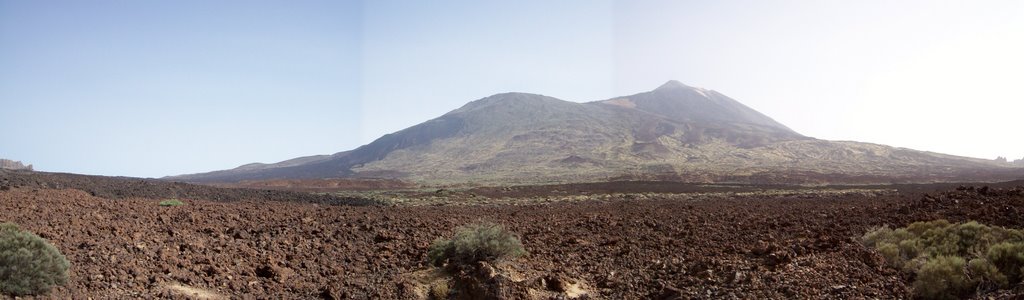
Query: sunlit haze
point(146, 88)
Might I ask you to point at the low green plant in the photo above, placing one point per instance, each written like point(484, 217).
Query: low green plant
point(473, 243)
point(29, 265)
point(952, 260)
point(171, 202)
point(1008, 257)
point(942, 277)
point(987, 271)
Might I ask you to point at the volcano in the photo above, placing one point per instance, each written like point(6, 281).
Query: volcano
point(674, 132)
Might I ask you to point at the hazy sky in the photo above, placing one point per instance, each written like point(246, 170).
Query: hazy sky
point(155, 88)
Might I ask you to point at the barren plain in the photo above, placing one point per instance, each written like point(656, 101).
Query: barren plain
point(621, 240)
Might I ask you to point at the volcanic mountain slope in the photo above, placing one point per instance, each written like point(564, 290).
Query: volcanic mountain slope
point(13, 165)
point(674, 132)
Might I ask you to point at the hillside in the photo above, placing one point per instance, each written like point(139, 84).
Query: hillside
point(675, 132)
point(7, 164)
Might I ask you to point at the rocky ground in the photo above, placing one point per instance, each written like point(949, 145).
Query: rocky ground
point(663, 245)
point(128, 187)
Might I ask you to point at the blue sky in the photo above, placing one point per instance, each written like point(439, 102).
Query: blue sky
point(155, 88)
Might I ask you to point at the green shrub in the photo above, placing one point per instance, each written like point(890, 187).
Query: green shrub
point(171, 202)
point(1009, 258)
point(942, 277)
point(983, 270)
point(29, 265)
point(936, 252)
point(481, 242)
point(910, 248)
point(891, 253)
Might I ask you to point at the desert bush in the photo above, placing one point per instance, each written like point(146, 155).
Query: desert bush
point(1008, 257)
point(29, 265)
point(951, 260)
point(473, 243)
point(171, 202)
point(942, 277)
point(984, 270)
point(439, 290)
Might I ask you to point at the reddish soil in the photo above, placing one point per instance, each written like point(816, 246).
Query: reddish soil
point(760, 246)
point(127, 187)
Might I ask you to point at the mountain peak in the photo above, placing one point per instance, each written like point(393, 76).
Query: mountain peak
point(507, 100)
point(676, 131)
point(672, 84)
point(681, 102)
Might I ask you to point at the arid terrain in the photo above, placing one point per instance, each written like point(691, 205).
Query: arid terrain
point(534, 150)
point(606, 241)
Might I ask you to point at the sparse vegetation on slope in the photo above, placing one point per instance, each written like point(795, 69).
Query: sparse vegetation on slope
point(171, 202)
point(952, 260)
point(675, 132)
point(29, 265)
